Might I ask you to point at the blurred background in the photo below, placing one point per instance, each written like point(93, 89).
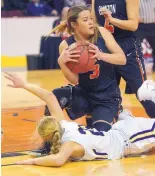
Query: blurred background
point(26, 23)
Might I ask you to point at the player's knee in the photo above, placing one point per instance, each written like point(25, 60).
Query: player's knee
point(102, 126)
point(56, 92)
point(63, 96)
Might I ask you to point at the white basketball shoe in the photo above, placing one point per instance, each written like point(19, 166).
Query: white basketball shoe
point(147, 91)
point(125, 114)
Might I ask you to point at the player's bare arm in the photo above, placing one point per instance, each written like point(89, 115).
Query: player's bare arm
point(55, 160)
point(116, 56)
point(68, 55)
point(131, 24)
point(46, 96)
point(132, 12)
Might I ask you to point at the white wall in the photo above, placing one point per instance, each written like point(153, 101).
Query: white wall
point(21, 36)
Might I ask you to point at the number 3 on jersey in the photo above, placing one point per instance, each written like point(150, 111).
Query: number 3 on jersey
point(96, 71)
point(108, 26)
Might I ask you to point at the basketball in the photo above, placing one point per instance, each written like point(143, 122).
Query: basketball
point(85, 62)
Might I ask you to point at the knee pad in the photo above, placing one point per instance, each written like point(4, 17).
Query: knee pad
point(64, 96)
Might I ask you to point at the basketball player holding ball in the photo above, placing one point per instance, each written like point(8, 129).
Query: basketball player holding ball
point(96, 91)
point(121, 18)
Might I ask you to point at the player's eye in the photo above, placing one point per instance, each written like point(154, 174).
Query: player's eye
point(85, 19)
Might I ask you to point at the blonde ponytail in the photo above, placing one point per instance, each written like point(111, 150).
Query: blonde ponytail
point(50, 126)
point(56, 142)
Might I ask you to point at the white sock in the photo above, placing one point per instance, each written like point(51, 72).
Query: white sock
point(125, 115)
point(150, 96)
point(153, 96)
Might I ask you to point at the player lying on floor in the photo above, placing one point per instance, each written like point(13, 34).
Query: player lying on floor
point(70, 141)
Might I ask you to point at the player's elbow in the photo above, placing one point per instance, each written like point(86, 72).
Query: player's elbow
point(75, 82)
point(60, 161)
point(73, 79)
point(123, 59)
point(134, 26)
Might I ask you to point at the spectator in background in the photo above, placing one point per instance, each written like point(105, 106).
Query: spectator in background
point(62, 18)
point(70, 3)
point(14, 4)
point(59, 4)
point(146, 29)
point(40, 8)
point(88, 1)
point(56, 4)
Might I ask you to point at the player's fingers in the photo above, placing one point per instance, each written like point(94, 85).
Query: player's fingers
point(92, 51)
point(67, 49)
point(103, 9)
point(10, 85)
point(74, 52)
point(74, 56)
point(9, 78)
point(72, 60)
point(9, 74)
point(93, 46)
point(20, 162)
point(72, 47)
point(107, 14)
point(94, 57)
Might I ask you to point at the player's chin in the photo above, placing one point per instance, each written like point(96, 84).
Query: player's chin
point(91, 32)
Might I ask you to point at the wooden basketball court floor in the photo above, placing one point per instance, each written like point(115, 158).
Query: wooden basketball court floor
point(22, 110)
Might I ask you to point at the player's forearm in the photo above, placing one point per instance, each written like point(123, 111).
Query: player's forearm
point(130, 25)
point(39, 92)
point(51, 160)
point(47, 97)
point(70, 76)
point(116, 58)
